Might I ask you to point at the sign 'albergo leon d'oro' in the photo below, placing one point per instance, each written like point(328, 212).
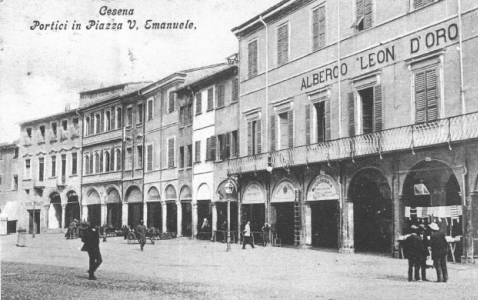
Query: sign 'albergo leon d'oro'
point(428, 40)
point(323, 188)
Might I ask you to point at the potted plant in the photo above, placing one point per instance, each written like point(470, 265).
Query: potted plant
point(21, 237)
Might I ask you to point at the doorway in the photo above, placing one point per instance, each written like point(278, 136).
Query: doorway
point(36, 221)
point(284, 225)
point(186, 220)
point(254, 213)
point(155, 216)
point(94, 214)
point(135, 214)
point(172, 217)
point(324, 223)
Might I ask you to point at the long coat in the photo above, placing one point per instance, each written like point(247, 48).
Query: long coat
point(91, 240)
point(414, 246)
point(439, 245)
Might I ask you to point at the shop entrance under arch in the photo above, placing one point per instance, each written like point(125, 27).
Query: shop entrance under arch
point(439, 197)
point(114, 210)
point(285, 213)
point(171, 209)
point(155, 216)
point(372, 211)
point(185, 197)
point(135, 206)
point(94, 208)
point(54, 213)
point(72, 209)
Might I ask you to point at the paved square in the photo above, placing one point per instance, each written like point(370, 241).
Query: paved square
point(51, 267)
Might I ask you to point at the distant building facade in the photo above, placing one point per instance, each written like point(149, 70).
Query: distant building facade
point(9, 169)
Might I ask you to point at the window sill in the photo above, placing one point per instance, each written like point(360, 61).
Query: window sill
point(211, 109)
point(52, 177)
point(27, 179)
point(198, 114)
point(197, 162)
point(139, 124)
point(189, 168)
point(218, 108)
point(73, 175)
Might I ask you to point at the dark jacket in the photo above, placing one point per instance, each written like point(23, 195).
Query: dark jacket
point(91, 240)
point(426, 244)
point(439, 245)
point(414, 246)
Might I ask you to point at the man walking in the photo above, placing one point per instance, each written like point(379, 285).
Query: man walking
point(141, 230)
point(439, 247)
point(91, 240)
point(247, 236)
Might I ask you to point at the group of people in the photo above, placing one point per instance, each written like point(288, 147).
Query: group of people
point(420, 246)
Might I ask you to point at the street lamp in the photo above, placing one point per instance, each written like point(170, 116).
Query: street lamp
point(229, 187)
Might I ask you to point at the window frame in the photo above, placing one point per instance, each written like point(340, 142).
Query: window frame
point(150, 110)
point(253, 73)
point(287, 59)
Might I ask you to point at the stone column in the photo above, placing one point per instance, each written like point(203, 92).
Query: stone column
point(180, 219)
point(145, 213)
point(124, 214)
point(194, 219)
point(214, 217)
point(164, 211)
point(468, 244)
point(348, 227)
point(84, 214)
point(46, 211)
point(307, 223)
point(104, 211)
point(63, 208)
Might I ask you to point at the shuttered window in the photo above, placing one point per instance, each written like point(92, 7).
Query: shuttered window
point(149, 151)
point(318, 28)
point(254, 137)
point(171, 153)
point(420, 3)
point(210, 99)
point(426, 96)
point(252, 59)
point(234, 144)
point(328, 135)
point(213, 148)
point(189, 156)
point(198, 103)
point(258, 137)
point(197, 151)
point(273, 133)
point(290, 117)
point(150, 109)
point(220, 95)
point(181, 157)
point(351, 106)
point(208, 149)
point(113, 118)
point(171, 102)
point(118, 160)
point(364, 15)
point(283, 44)
point(140, 157)
point(235, 89)
point(307, 124)
point(377, 108)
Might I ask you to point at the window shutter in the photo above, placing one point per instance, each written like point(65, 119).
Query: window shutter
point(377, 107)
point(208, 149)
point(198, 103)
point(417, 3)
point(235, 89)
point(307, 124)
point(259, 136)
point(321, 26)
point(150, 110)
point(112, 159)
point(420, 98)
point(273, 133)
point(87, 166)
point(92, 123)
point(150, 157)
point(101, 161)
point(367, 19)
point(432, 95)
point(171, 153)
point(91, 164)
point(351, 114)
point(210, 99)
point(282, 44)
point(315, 29)
point(249, 138)
point(198, 151)
point(113, 118)
point(360, 8)
point(290, 117)
point(171, 102)
point(213, 148)
point(227, 152)
point(220, 96)
point(102, 118)
point(252, 58)
point(328, 133)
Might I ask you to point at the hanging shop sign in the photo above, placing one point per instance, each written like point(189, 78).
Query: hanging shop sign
point(253, 194)
point(323, 188)
point(284, 192)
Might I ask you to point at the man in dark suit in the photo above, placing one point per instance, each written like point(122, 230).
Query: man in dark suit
point(439, 248)
point(141, 230)
point(425, 253)
point(414, 253)
point(91, 240)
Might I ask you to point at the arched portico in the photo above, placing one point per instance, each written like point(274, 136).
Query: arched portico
point(55, 211)
point(134, 199)
point(185, 198)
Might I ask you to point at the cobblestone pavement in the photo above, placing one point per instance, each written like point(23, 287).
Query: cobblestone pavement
point(51, 267)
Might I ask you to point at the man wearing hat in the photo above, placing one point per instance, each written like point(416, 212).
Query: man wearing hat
point(141, 229)
point(439, 248)
point(425, 252)
point(414, 253)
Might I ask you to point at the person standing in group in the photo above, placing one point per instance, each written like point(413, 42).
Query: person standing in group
point(414, 254)
point(247, 236)
point(439, 248)
point(141, 230)
point(425, 253)
point(265, 233)
point(91, 240)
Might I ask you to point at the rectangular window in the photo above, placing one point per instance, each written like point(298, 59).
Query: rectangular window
point(252, 59)
point(318, 28)
point(320, 113)
point(363, 15)
point(421, 3)
point(74, 163)
point(42, 131)
point(75, 122)
point(211, 148)
point(197, 151)
point(129, 116)
point(150, 109)
point(220, 95)
point(234, 144)
point(14, 182)
point(119, 159)
point(140, 157)
point(97, 123)
point(254, 135)
point(129, 158)
point(426, 96)
point(28, 170)
point(210, 99)
point(118, 117)
point(15, 153)
point(29, 133)
point(235, 90)
point(171, 153)
point(107, 120)
point(149, 151)
point(171, 102)
point(64, 124)
point(140, 113)
point(41, 168)
point(53, 129)
point(283, 44)
point(198, 103)
point(101, 161)
point(189, 156)
point(181, 157)
point(221, 146)
point(63, 167)
point(366, 97)
point(91, 164)
point(182, 116)
point(53, 166)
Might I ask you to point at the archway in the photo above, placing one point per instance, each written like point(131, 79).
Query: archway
point(114, 212)
point(171, 209)
point(433, 202)
point(185, 198)
point(285, 213)
point(155, 216)
point(371, 196)
point(72, 209)
point(135, 206)
point(54, 213)
point(204, 211)
point(93, 203)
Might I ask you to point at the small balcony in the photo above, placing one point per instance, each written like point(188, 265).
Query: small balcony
point(103, 177)
point(443, 131)
point(102, 137)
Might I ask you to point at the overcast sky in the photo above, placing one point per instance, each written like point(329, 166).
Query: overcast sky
point(41, 70)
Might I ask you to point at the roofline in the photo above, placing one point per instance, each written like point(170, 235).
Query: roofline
point(253, 20)
point(13, 144)
point(205, 79)
point(163, 81)
point(112, 87)
point(54, 116)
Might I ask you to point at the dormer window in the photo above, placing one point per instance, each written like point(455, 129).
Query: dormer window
point(42, 131)
point(64, 124)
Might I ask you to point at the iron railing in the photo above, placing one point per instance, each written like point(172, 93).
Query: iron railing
point(443, 131)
